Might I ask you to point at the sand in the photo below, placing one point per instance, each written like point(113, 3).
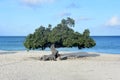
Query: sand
point(23, 65)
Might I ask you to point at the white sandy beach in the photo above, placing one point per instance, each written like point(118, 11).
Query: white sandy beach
point(22, 65)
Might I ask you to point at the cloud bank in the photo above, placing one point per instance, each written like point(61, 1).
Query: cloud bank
point(84, 19)
point(36, 2)
point(114, 21)
point(65, 14)
point(72, 5)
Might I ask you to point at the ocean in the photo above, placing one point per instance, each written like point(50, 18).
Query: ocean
point(104, 44)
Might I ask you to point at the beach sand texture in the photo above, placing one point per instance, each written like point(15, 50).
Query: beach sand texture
point(22, 65)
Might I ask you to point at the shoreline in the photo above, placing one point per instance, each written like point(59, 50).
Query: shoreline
point(37, 54)
point(10, 51)
point(25, 65)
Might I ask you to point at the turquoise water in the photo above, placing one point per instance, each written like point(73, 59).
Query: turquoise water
point(11, 43)
point(105, 44)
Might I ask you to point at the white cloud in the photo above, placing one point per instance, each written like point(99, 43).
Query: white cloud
point(62, 14)
point(36, 2)
point(84, 19)
point(65, 14)
point(72, 5)
point(78, 19)
point(114, 21)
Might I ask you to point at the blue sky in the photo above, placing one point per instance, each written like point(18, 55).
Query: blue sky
point(21, 17)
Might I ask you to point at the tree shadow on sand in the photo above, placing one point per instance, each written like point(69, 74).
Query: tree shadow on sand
point(34, 58)
point(8, 52)
point(80, 54)
point(73, 55)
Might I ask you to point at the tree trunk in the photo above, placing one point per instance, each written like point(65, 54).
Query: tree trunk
point(54, 51)
point(52, 56)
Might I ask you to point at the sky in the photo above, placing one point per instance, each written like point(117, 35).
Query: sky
point(22, 17)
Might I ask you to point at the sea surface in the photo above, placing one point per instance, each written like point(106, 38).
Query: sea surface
point(104, 44)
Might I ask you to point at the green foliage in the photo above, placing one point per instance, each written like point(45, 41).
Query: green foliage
point(39, 39)
point(86, 33)
point(61, 35)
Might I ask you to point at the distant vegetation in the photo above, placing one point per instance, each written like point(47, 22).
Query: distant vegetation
point(62, 35)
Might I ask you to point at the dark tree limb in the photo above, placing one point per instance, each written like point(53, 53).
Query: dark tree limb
point(52, 56)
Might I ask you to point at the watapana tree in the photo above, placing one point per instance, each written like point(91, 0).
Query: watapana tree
point(62, 35)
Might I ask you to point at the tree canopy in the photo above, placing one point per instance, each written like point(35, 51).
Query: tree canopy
point(62, 35)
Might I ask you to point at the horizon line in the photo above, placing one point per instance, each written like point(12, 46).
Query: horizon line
point(25, 36)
